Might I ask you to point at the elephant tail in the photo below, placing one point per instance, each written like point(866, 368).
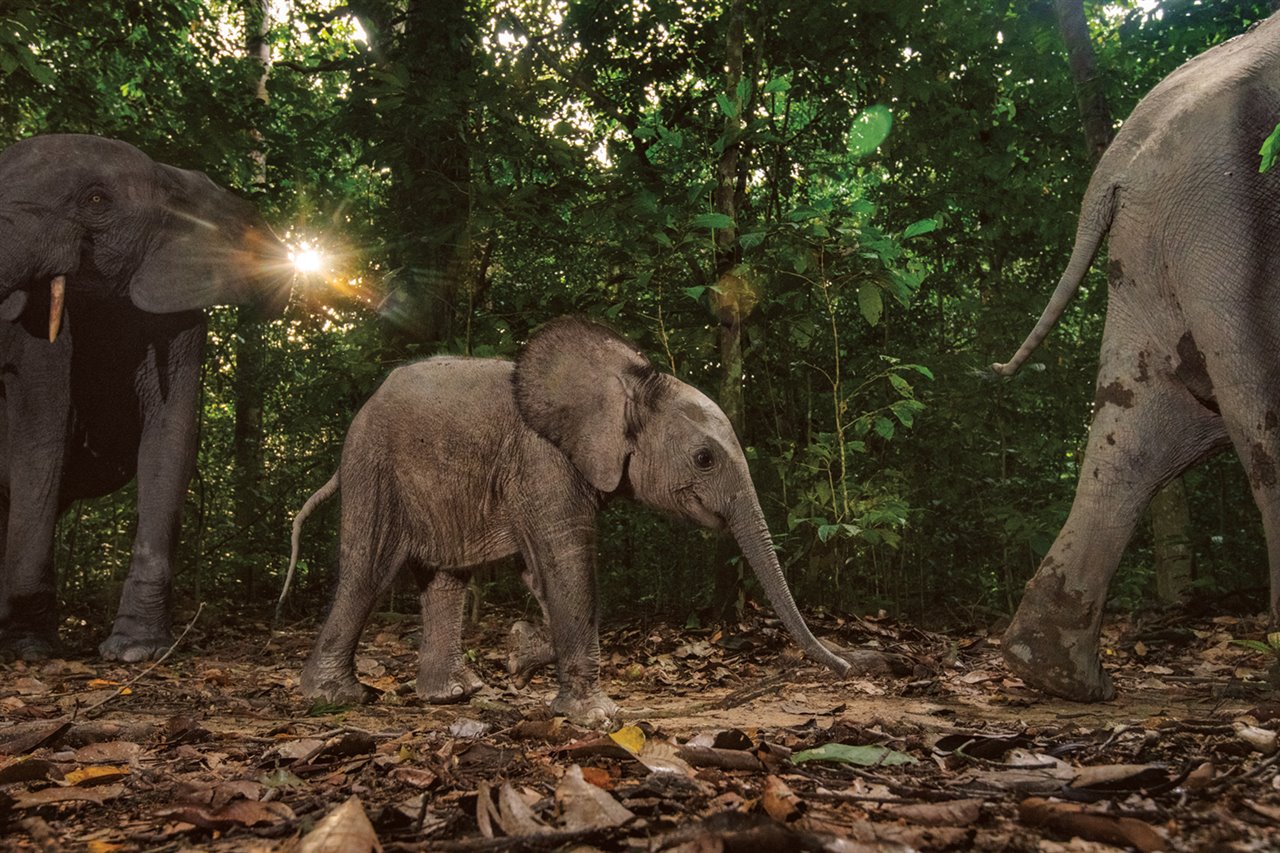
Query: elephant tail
point(321, 495)
point(1096, 215)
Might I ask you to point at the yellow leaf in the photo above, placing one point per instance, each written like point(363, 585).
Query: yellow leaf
point(104, 847)
point(102, 682)
point(630, 738)
point(95, 774)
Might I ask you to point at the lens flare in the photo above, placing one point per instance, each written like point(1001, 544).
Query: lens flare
point(307, 260)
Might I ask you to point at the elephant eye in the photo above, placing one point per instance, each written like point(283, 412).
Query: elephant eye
point(702, 458)
point(96, 198)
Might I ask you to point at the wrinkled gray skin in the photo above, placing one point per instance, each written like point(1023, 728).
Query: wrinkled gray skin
point(1190, 360)
point(142, 247)
point(455, 462)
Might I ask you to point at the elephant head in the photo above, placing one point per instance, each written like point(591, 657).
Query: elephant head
point(627, 427)
point(100, 217)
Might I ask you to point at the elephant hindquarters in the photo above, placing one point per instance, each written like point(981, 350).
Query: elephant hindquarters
point(1147, 429)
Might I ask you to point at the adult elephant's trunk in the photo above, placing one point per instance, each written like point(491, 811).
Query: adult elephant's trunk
point(747, 524)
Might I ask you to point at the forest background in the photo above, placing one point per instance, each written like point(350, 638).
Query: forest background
point(830, 216)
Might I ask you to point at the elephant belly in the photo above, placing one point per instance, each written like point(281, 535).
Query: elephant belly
point(94, 469)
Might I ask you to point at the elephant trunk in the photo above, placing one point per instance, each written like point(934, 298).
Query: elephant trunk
point(746, 522)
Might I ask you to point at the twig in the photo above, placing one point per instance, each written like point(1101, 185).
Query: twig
point(119, 691)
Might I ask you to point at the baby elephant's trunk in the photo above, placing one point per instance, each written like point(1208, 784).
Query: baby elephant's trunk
point(746, 521)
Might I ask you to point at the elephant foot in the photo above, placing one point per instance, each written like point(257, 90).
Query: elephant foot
point(530, 648)
point(593, 711)
point(336, 686)
point(130, 649)
point(456, 687)
point(29, 648)
point(1058, 661)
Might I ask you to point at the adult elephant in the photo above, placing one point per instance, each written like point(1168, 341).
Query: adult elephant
point(1190, 359)
point(107, 259)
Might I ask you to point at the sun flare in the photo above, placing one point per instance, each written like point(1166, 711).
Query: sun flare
point(307, 260)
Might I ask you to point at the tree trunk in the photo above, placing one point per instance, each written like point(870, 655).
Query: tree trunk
point(249, 383)
point(728, 298)
point(1095, 114)
point(431, 175)
point(1170, 515)
point(1170, 526)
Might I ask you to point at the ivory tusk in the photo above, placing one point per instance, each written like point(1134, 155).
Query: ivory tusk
point(57, 295)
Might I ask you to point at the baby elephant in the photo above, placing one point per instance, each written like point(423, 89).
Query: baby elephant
point(458, 461)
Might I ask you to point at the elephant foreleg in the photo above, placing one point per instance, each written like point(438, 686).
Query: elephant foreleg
point(1147, 429)
point(443, 674)
point(38, 404)
point(169, 390)
point(563, 578)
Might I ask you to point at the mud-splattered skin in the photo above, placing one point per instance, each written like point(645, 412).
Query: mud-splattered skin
point(1190, 361)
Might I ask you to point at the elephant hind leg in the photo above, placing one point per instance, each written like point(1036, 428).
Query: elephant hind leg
point(1250, 405)
point(371, 556)
point(1147, 429)
point(443, 674)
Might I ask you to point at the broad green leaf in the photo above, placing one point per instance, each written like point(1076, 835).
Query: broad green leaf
point(696, 291)
point(1256, 645)
point(750, 239)
point(843, 753)
point(915, 229)
point(777, 84)
point(870, 302)
point(712, 220)
point(728, 107)
point(904, 412)
point(1270, 150)
point(870, 128)
point(884, 427)
point(921, 369)
point(900, 385)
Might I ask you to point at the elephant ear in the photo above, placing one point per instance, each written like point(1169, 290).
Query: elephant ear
point(583, 387)
point(212, 249)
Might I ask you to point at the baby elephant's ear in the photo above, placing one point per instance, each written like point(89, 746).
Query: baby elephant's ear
point(576, 385)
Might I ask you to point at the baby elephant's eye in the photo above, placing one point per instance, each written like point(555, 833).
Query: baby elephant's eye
point(703, 458)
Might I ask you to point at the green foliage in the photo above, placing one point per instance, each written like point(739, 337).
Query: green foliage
point(1269, 150)
point(908, 182)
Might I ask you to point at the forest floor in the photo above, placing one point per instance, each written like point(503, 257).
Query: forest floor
point(730, 741)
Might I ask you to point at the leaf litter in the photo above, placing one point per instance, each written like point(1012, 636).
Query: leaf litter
point(729, 740)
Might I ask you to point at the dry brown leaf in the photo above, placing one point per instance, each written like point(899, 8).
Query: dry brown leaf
point(514, 815)
point(346, 829)
point(949, 813)
point(236, 813)
point(1124, 777)
point(1074, 819)
point(49, 796)
point(584, 806)
point(779, 801)
point(108, 752)
point(416, 777)
point(662, 757)
point(27, 769)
